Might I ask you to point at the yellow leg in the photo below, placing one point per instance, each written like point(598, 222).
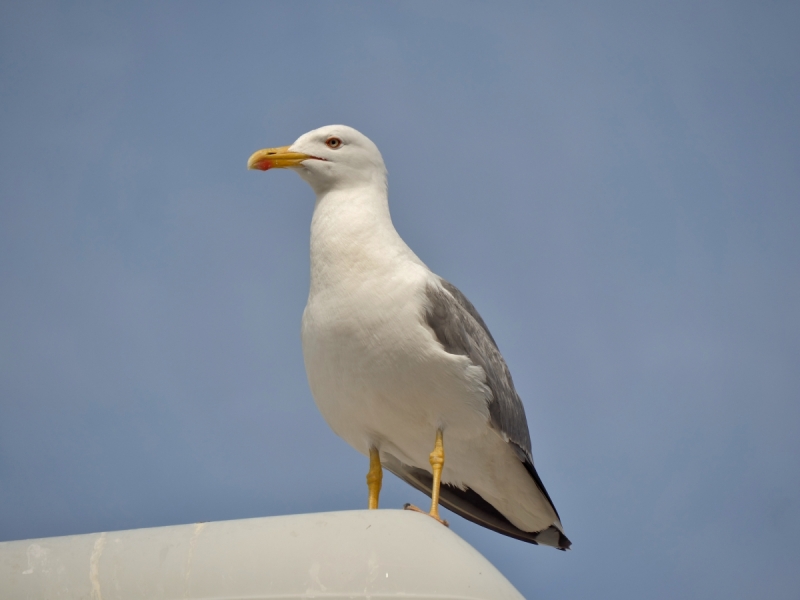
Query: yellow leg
point(437, 462)
point(374, 478)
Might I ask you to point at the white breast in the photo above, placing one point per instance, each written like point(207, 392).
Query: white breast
point(377, 373)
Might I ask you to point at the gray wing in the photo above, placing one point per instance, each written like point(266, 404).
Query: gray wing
point(461, 330)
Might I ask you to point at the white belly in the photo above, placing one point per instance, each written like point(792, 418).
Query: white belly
point(380, 378)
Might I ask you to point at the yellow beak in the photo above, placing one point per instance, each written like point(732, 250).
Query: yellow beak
point(275, 158)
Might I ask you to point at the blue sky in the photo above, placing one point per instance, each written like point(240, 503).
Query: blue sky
point(616, 187)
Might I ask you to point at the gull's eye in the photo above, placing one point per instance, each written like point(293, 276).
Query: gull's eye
point(333, 142)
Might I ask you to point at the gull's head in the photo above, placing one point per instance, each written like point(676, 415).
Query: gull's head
point(331, 157)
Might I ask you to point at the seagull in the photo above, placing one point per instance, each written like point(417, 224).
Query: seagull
point(399, 362)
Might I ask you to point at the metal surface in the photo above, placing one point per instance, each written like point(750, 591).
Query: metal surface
point(379, 554)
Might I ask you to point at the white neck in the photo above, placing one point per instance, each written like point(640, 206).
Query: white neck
point(353, 238)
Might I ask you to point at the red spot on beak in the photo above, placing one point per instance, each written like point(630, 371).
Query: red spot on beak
point(264, 164)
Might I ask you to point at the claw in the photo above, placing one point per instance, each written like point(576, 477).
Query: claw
point(409, 506)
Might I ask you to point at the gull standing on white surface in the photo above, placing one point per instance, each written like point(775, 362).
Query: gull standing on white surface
point(399, 361)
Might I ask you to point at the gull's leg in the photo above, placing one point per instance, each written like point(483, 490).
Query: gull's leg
point(374, 478)
point(437, 462)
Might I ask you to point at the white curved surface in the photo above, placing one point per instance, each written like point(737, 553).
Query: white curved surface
point(379, 554)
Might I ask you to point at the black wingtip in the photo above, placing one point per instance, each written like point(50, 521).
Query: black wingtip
point(470, 505)
point(564, 543)
point(552, 536)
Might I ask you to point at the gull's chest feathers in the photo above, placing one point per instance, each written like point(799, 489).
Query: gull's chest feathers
point(372, 361)
point(366, 285)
